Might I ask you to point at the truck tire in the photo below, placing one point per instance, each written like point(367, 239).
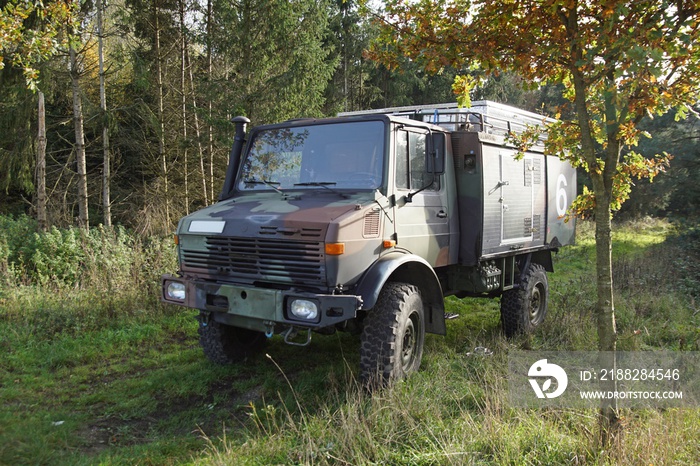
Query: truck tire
point(224, 344)
point(392, 336)
point(524, 308)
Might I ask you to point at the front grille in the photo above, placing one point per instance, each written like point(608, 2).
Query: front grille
point(298, 262)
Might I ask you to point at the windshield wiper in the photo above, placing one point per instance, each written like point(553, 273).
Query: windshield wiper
point(323, 184)
point(316, 183)
point(265, 182)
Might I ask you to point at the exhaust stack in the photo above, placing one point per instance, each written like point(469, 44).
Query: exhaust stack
point(235, 157)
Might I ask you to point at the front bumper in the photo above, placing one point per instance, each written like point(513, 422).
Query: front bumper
point(262, 309)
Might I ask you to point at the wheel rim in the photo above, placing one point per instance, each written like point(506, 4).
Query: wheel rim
point(537, 304)
point(409, 345)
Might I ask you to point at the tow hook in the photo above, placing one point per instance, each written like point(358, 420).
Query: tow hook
point(292, 332)
point(204, 318)
point(269, 328)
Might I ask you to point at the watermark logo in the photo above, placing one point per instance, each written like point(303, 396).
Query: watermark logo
point(550, 372)
point(587, 379)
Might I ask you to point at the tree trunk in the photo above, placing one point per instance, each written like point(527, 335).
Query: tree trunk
point(210, 76)
point(83, 217)
point(609, 423)
point(41, 166)
point(161, 117)
point(183, 102)
point(348, 104)
point(610, 427)
point(197, 132)
point(106, 159)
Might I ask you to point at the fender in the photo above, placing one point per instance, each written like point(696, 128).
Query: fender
point(543, 258)
point(407, 268)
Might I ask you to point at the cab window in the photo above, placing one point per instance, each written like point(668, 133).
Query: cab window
point(411, 171)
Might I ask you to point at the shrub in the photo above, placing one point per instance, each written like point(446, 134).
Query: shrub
point(16, 239)
point(98, 259)
point(16, 233)
point(58, 257)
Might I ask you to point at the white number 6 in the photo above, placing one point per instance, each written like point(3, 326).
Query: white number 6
point(562, 201)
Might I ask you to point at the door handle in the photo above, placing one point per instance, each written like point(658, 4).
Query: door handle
point(442, 214)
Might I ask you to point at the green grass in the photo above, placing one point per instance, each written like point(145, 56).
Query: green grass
point(90, 376)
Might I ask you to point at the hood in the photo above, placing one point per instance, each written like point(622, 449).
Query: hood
point(272, 215)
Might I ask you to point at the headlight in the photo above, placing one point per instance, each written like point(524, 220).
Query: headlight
point(176, 291)
point(304, 309)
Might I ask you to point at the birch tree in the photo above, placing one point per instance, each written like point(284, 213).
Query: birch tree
point(79, 146)
point(160, 91)
point(41, 165)
point(183, 103)
point(106, 159)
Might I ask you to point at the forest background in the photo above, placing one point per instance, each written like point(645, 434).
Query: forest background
point(156, 137)
point(175, 73)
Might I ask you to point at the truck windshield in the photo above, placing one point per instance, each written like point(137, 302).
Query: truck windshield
point(337, 155)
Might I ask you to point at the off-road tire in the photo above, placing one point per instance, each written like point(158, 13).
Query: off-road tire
point(524, 308)
point(392, 336)
point(224, 344)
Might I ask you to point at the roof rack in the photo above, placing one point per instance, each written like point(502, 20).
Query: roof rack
point(483, 116)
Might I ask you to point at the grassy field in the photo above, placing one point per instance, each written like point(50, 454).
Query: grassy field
point(95, 370)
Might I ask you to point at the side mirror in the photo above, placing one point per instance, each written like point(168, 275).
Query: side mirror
point(435, 155)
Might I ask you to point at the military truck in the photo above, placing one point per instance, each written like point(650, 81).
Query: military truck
point(365, 222)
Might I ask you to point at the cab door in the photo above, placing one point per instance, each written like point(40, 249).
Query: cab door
point(421, 211)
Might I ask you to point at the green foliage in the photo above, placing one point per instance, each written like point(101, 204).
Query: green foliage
point(17, 108)
point(16, 239)
point(100, 259)
point(31, 32)
point(688, 263)
point(677, 192)
point(273, 47)
point(58, 257)
point(462, 87)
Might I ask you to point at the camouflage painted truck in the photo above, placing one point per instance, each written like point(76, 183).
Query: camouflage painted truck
point(365, 223)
